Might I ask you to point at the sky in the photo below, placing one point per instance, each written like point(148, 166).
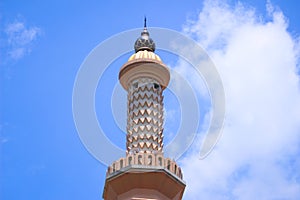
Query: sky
point(255, 48)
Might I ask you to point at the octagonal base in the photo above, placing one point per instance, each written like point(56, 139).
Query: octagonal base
point(143, 182)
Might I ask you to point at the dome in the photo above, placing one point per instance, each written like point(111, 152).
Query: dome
point(144, 54)
point(144, 63)
point(144, 42)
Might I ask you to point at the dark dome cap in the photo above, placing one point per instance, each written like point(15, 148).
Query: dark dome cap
point(144, 42)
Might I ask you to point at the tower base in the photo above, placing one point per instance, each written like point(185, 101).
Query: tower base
point(139, 182)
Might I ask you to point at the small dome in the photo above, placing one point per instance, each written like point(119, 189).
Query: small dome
point(144, 54)
point(144, 42)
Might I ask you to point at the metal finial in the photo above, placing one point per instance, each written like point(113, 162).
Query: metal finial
point(144, 42)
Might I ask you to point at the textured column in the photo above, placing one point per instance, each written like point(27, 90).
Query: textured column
point(145, 116)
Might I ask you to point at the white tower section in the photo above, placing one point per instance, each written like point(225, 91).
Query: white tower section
point(145, 77)
point(145, 116)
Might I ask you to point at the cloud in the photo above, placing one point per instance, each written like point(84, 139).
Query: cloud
point(19, 39)
point(258, 156)
point(3, 138)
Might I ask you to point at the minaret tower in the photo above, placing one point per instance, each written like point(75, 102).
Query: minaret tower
point(144, 173)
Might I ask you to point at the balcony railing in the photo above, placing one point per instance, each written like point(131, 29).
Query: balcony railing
point(147, 160)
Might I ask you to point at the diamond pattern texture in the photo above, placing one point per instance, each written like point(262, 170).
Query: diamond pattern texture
point(145, 116)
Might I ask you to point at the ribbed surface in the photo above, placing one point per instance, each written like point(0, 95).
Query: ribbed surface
point(145, 116)
point(144, 55)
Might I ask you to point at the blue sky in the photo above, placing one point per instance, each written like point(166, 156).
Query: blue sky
point(43, 44)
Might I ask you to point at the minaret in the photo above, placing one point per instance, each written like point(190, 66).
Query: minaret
point(144, 173)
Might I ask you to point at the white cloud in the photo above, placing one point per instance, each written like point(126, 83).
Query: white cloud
point(186, 70)
point(258, 156)
point(3, 138)
point(20, 38)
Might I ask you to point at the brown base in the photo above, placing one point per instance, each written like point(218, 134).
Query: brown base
point(142, 182)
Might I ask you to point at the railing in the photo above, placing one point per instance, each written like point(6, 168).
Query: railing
point(145, 159)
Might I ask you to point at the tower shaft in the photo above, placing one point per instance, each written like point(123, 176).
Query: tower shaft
point(144, 116)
